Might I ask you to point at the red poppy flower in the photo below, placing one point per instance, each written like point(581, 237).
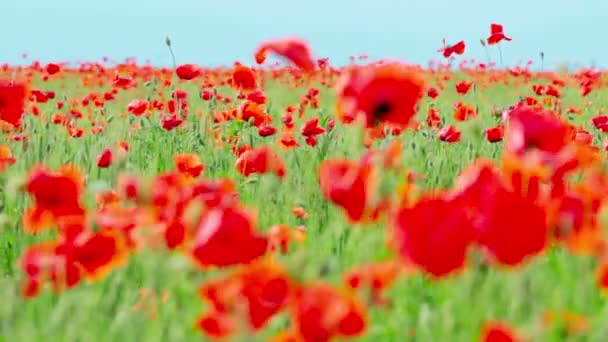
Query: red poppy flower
point(433, 225)
point(463, 112)
point(387, 93)
point(512, 238)
point(52, 68)
point(294, 50)
point(457, 48)
point(170, 122)
point(344, 183)
point(50, 204)
point(311, 128)
point(188, 163)
point(433, 93)
point(262, 290)
point(449, 134)
point(6, 157)
point(495, 134)
point(267, 130)
point(601, 123)
point(226, 237)
point(260, 160)
point(137, 107)
point(376, 277)
point(104, 159)
point(322, 313)
point(12, 102)
point(602, 277)
point(255, 113)
point(498, 332)
point(243, 78)
point(497, 34)
point(463, 87)
point(532, 129)
point(187, 71)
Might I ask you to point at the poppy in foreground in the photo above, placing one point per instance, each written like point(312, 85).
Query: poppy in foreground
point(226, 237)
point(432, 225)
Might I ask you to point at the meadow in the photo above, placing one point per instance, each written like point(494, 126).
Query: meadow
point(300, 201)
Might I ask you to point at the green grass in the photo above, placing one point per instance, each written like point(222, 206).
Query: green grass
point(420, 308)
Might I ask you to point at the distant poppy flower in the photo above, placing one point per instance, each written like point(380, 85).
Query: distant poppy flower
point(12, 102)
point(266, 131)
point(601, 123)
point(432, 92)
point(281, 236)
point(495, 134)
point(388, 93)
point(292, 49)
point(497, 34)
point(260, 160)
point(376, 277)
point(602, 277)
point(187, 71)
point(257, 96)
point(344, 183)
point(255, 113)
point(104, 160)
point(457, 48)
point(299, 212)
point(433, 119)
point(434, 225)
point(243, 78)
point(463, 87)
point(171, 122)
point(449, 134)
point(463, 112)
point(137, 107)
point(6, 157)
point(311, 128)
point(188, 163)
point(226, 237)
point(206, 95)
point(52, 68)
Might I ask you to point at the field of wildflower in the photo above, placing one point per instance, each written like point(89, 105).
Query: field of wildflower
point(301, 201)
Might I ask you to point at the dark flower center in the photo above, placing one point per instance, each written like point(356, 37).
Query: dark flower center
point(382, 109)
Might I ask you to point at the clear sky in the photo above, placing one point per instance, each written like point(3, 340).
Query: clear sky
point(222, 31)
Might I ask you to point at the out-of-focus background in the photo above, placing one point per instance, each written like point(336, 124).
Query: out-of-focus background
point(219, 32)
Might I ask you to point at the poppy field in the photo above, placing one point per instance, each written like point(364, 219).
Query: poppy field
point(291, 199)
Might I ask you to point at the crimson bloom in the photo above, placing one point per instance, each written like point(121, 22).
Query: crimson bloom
point(137, 107)
point(387, 93)
point(344, 183)
point(292, 49)
point(187, 71)
point(457, 48)
point(463, 87)
point(188, 163)
point(243, 78)
point(260, 160)
point(449, 134)
point(105, 158)
point(498, 332)
point(226, 237)
point(533, 129)
point(322, 313)
point(12, 102)
point(434, 234)
point(50, 204)
point(495, 134)
point(497, 34)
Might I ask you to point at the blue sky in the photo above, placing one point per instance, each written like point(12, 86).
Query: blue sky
point(222, 31)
